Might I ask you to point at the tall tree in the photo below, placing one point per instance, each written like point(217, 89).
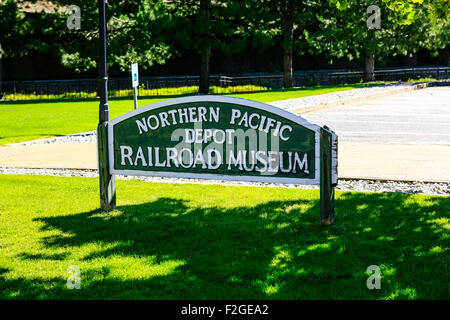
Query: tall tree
point(342, 30)
point(10, 27)
point(135, 35)
point(285, 20)
point(288, 11)
point(26, 29)
point(152, 31)
point(205, 11)
point(208, 26)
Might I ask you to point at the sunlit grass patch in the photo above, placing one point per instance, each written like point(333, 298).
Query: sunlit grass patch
point(186, 241)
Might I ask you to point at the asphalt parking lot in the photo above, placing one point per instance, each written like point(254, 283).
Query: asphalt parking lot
point(403, 137)
point(417, 117)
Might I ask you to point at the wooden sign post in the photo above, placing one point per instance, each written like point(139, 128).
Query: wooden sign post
point(222, 138)
point(328, 174)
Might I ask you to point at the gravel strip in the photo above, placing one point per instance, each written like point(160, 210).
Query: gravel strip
point(409, 187)
point(82, 137)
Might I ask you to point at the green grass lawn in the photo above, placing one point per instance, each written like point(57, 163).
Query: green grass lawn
point(28, 120)
point(183, 241)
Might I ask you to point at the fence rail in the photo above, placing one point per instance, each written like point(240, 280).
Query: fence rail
point(176, 85)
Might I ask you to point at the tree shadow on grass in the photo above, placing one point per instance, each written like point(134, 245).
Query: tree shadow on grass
point(41, 256)
point(170, 249)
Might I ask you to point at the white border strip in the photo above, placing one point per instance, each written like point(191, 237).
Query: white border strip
point(230, 100)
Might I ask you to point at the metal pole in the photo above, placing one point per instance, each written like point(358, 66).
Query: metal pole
point(135, 98)
point(103, 81)
point(107, 180)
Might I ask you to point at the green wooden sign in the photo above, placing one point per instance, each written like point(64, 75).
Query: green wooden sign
point(223, 138)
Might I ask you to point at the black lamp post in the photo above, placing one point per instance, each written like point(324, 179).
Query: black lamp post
point(103, 74)
point(107, 180)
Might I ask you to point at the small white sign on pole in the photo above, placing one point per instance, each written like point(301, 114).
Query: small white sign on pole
point(134, 75)
point(135, 82)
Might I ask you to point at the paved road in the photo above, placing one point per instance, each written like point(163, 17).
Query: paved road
point(417, 117)
point(401, 137)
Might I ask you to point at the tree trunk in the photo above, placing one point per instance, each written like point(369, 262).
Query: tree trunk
point(287, 26)
point(205, 6)
point(369, 70)
point(204, 71)
point(444, 55)
point(287, 67)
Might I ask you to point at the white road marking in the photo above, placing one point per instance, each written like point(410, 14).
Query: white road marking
point(378, 133)
point(347, 113)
